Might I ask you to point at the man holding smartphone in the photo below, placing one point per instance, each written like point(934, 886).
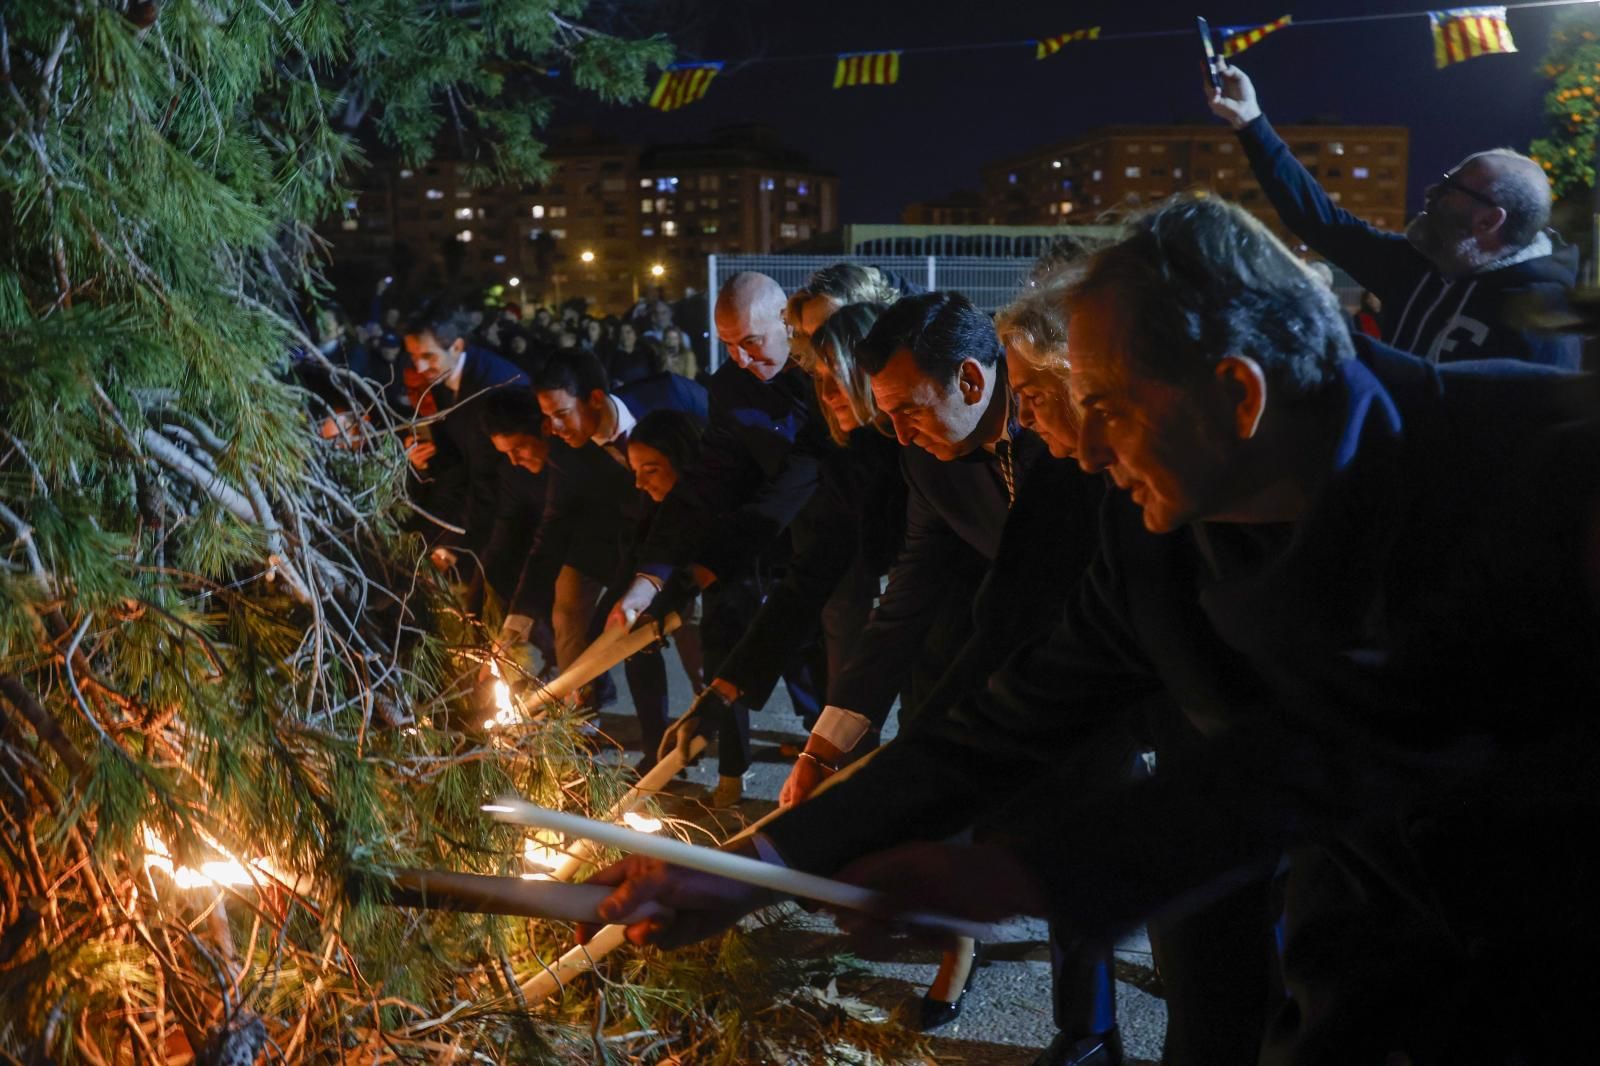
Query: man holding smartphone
point(1479, 247)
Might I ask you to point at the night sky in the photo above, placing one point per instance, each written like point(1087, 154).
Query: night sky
point(954, 111)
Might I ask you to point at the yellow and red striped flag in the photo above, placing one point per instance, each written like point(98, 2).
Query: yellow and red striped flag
point(683, 83)
point(1463, 33)
point(1236, 39)
point(1051, 45)
point(866, 68)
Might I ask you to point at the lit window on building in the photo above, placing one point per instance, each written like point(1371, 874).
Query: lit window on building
point(558, 234)
point(666, 185)
point(463, 194)
point(708, 228)
point(645, 183)
point(463, 212)
point(405, 173)
point(790, 207)
point(648, 231)
point(1336, 147)
point(788, 229)
point(1097, 175)
point(767, 184)
point(647, 206)
point(1132, 172)
point(349, 224)
point(464, 236)
point(535, 233)
point(1335, 196)
point(1011, 179)
point(499, 259)
point(1177, 172)
point(538, 210)
point(434, 194)
point(1055, 164)
point(558, 211)
point(1226, 147)
point(669, 228)
point(1359, 172)
point(1054, 209)
point(1066, 207)
point(804, 188)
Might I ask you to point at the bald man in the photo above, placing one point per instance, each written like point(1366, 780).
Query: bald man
point(1453, 284)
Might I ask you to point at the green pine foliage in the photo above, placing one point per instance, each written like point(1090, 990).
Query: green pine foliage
point(1571, 106)
point(214, 635)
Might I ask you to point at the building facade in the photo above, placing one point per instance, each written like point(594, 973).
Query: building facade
point(610, 224)
point(1121, 168)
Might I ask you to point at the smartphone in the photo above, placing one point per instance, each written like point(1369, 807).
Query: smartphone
point(1211, 53)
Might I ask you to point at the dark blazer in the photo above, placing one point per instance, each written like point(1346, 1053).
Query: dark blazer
point(468, 482)
point(955, 512)
point(1050, 537)
point(856, 518)
point(759, 464)
point(1326, 662)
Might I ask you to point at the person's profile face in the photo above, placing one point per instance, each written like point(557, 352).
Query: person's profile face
point(523, 449)
point(757, 342)
point(571, 420)
point(833, 394)
point(936, 416)
point(1160, 442)
point(653, 472)
point(1043, 402)
point(429, 358)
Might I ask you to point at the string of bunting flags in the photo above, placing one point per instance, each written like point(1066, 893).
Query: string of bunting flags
point(1459, 34)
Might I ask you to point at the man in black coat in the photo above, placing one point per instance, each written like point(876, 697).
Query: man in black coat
point(464, 481)
point(1311, 562)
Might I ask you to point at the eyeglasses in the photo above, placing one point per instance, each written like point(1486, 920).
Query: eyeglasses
point(1449, 182)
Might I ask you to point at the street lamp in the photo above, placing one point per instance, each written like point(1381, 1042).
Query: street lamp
point(657, 270)
point(514, 282)
point(587, 256)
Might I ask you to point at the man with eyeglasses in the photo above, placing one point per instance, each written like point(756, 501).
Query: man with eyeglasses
point(1456, 285)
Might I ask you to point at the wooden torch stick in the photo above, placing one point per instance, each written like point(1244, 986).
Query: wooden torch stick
point(664, 771)
point(610, 648)
point(775, 878)
point(582, 958)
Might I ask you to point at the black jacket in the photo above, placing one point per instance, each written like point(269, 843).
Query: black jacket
point(759, 464)
point(1439, 319)
point(856, 518)
point(468, 483)
point(1344, 670)
point(955, 513)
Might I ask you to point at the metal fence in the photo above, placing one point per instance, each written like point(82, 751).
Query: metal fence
point(990, 283)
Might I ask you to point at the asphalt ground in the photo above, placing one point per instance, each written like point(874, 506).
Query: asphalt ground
point(1006, 1018)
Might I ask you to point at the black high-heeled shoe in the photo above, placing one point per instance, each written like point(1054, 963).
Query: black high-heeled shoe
point(932, 1013)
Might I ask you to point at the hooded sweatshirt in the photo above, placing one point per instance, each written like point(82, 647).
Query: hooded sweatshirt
point(1441, 319)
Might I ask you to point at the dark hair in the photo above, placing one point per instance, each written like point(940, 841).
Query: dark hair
point(444, 320)
point(511, 410)
point(675, 434)
point(942, 329)
point(575, 371)
point(1200, 279)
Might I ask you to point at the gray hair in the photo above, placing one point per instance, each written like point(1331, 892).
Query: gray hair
point(1200, 279)
point(1520, 187)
